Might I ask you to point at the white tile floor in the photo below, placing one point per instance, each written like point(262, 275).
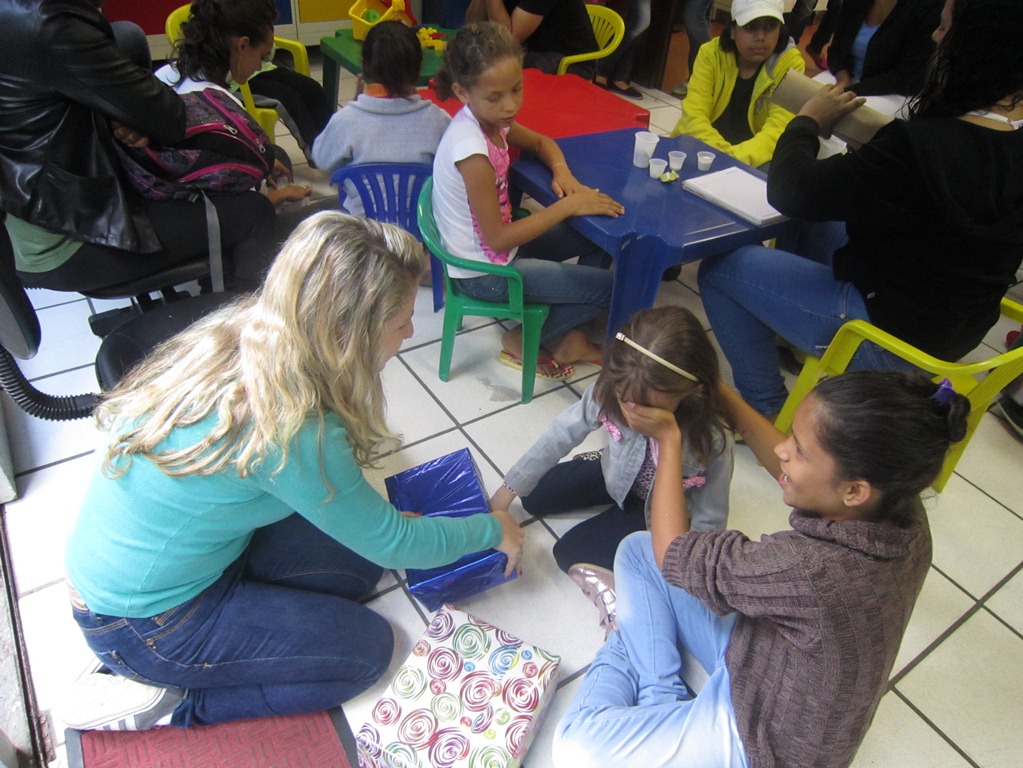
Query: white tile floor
point(956, 696)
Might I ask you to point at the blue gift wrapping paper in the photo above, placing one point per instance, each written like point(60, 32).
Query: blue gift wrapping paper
point(449, 486)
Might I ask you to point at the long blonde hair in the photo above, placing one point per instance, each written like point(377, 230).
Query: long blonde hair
point(309, 342)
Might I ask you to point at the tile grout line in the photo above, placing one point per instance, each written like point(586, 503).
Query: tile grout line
point(979, 604)
point(57, 463)
point(905, 700)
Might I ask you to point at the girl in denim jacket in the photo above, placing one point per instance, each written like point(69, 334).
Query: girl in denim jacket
point(661, 357)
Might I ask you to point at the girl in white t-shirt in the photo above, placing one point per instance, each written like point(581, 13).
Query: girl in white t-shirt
point(483, 68)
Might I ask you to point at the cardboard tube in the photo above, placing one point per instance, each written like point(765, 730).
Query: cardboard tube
point(855, 129)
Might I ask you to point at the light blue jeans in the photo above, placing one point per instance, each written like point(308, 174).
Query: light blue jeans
point(576, 293)
point(754, 293)
point(633, 709)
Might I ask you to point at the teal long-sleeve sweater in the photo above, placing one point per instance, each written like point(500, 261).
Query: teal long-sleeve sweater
point(145, 542)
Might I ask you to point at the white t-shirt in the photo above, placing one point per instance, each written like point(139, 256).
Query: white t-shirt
point(458, 228)
point(169, 75)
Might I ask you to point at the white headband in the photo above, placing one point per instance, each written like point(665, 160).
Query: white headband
point(670, 366)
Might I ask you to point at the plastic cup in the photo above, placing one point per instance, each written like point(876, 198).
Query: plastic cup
point(675, 159)
point(703, 160)
point(657, 166)
point(644, 149)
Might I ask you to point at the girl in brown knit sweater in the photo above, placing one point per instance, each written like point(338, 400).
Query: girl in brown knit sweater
point(798, 631)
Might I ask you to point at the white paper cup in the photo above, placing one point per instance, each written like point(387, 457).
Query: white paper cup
point(657, 166)
point(644, 149)
point(675, 159)
point(703, 160)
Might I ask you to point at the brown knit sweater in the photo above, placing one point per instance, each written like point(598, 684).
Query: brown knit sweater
point(823, 608)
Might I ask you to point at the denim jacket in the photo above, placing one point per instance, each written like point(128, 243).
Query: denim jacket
point(621, 461)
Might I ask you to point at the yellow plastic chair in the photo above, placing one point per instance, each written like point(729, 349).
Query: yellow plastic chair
point(608, 28)
point(1000, 370)
point(458, 305)
point(267, 117)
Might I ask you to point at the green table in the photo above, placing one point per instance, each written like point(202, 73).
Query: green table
point(343, 50)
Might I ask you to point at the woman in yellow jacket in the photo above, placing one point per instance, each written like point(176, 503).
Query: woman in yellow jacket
point(729, 101)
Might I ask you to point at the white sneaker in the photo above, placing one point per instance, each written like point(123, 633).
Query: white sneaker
point(101, 701)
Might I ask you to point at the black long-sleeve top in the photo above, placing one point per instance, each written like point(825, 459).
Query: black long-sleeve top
point(934, 212)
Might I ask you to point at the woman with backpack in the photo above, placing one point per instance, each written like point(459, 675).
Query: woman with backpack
point(226, 40)
point(67, 94)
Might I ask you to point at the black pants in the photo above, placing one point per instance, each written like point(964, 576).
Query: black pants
point(799, 17)
point(302, 97)
point(246, 222)
point(578, 484)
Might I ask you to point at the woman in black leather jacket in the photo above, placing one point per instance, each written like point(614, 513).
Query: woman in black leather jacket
point(66, 92)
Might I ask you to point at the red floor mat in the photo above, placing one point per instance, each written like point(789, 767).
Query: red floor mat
point(319, 739)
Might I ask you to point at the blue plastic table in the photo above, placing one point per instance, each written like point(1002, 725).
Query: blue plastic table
point(663, 224)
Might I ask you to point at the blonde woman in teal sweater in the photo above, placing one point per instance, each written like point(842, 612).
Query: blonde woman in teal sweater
point(728, 105)
point(227, 537)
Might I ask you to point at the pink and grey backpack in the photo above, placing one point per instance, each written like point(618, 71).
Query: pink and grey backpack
point(224, 150)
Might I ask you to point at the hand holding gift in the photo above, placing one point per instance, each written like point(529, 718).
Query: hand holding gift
point(511, 542)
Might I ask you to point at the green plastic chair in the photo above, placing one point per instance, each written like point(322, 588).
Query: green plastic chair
point(458, 305)
point(996, 373)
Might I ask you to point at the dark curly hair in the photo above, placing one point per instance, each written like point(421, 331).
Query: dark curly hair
point(676, 335)
point(204, 50)
point(392, 57)
point(885, 428)
point(979, 63)
point(475, 49)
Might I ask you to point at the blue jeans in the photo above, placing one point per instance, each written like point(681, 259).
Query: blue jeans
point(578, 484)
point(618, 66)
point(633, 709)
point(696, 17)
point(576, 293)
point(279, 633)
point(754, 293)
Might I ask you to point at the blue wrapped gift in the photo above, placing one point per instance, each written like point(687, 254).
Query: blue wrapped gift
point(448, 486)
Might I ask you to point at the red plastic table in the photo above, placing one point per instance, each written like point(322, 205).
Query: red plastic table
point(565, 105)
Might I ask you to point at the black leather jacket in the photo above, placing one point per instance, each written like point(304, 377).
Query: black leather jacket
point(62, 79)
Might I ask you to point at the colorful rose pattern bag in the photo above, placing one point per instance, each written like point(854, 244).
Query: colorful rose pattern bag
point(469, 695)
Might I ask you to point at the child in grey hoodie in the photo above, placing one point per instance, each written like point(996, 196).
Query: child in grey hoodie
point(389, 122)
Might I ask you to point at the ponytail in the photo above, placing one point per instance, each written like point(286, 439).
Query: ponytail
point(475, 49)
point(891, 429)
point(204, 50)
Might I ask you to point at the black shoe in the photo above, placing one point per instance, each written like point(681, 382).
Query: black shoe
point(671, 273)
point(1013, 413)
point(628, 91)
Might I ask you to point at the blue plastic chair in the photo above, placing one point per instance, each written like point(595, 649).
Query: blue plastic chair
point(389, 193)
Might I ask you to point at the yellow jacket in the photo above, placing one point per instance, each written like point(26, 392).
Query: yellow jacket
point(710, 88)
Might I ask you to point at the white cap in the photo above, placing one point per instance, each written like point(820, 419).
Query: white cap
point(745, 11)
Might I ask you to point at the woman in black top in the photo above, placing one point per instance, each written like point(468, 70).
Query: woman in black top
point(926, 219)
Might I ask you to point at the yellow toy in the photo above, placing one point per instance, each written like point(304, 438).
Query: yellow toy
point(366, 13)
point(430, 37)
